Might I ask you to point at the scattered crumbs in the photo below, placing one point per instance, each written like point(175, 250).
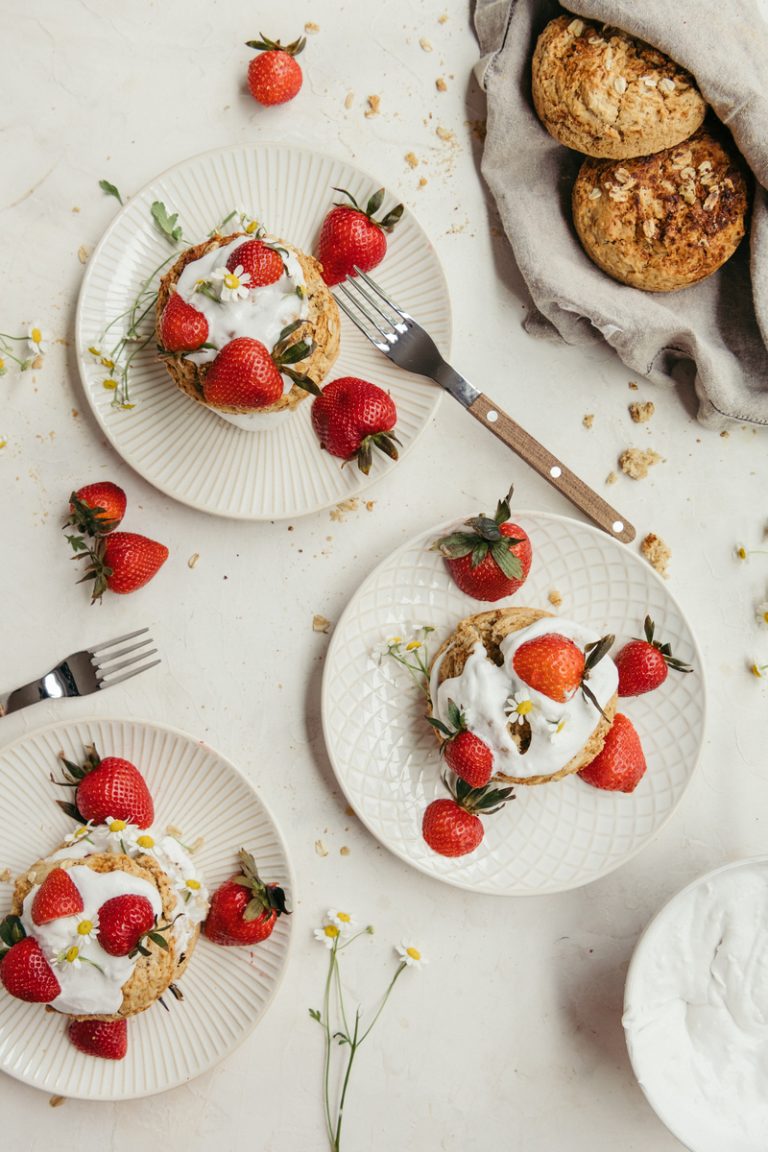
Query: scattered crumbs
point(192, 562)
point(172, 830)
point(320, 623)
point(642, 412)
point(57, 1101)
point(349, 99)
point(74, 413)
point(555, 598)
point(479, 129)
point(425, 45)
point(339, 513)
point(37, 362)
point(411, 159)
point(443, 19)
point(588, 420)
point(632, 385)
point(195, 846)
point(83, 253)
point(441, 85)
point(370, 505)
point(445, 134)
point(320, 848)
point(611, 478)
point(656, 552)
point(374, 105)
point(635, 462)
point(310, 26)
point(344, 851)
point(423, 182)
point(349, 810)
point(6, 876)
point(290, 528)
point(725, 434)
point(75, 208)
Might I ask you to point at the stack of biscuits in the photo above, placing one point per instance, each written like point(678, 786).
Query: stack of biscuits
point(661, 200)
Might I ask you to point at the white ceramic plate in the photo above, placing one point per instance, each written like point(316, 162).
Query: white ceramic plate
point(226, 990)
point(553, 836)
point(694, 1010)
point(185, 449)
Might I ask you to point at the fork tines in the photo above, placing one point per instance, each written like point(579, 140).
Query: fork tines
point(367, 307)
point(103, 657)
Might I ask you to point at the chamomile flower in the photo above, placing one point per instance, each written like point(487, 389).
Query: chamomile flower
point(87, 928)
point(37, 339)
point(556, 728)
point(761, 613)
point(759, 670)
point(328, 935)
point(3, 367)
point(71, 956)
point(247, 222)
point(518, 707)
point(82, 832)
point(232, 285)
point(410, 955)
point(342, 920)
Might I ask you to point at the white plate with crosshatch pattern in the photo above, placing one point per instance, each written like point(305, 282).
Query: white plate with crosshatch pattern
point(226, 990)
point(553, 836)
point(185, 449)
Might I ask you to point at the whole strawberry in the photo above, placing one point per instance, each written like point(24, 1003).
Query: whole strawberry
point(182, 328)
point(244, 910)
point(246, 376)
point(123, 563)
point(111, 788)
point(261, 261)
point(621, 764)
point(553, 665)
point(105, 1038)
point(274, 76)
point(26, 974)
point(453, 827)
point(97, 508)
point(57, 896)
point(351, 237)
point(123, 921)
point(644, 664)
point(464, 752)
point(351, 417)
point(492, 559)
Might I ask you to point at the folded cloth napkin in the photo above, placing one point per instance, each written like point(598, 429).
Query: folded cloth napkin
point(717, 329)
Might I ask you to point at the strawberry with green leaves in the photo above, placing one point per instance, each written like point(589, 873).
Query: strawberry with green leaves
point(97, 509)
point(351, 417)
point(126, 923)
point(112, 788)
point(107, 1039)
point(275, 76)
point(452, 827)
point(24, 971)
point(620, 766)
point(260, 260)
point(351, 237)
point(490, 557)
point(122, 562)
point(244, 910)
point(245, 375)
point(464, 752)
point(644, 664)
point(553, 665)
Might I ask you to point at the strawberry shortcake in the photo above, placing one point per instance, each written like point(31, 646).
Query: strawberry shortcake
point(538, 693)
point(247, 326)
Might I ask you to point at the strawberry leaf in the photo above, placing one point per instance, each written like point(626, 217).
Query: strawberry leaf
point(503, 507)
point(253, 910)
point(454, 546)
point(165, 223)
point(71, 810)
point(110, 190)
point(506, 559)
point(375, 202)
point(11, 930)
point(388, 222)
point(479, 553)
point(158, 939)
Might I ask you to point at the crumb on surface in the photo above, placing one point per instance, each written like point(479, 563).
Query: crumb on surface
point(370, 505)
point(57, 1101)
point(555, 597)
point(588, 420)
point(320, 848)
point(633, 386)
point(320, 623)
point(339, 513)
point(349, 99)
point(441, 85)
point(310, 26)
point(425, 45)
point(374, 106)
point(173, 830)
point(83, 253)
point(423, 182)
point(641, 411)
point(75, 208)
point(192, 562)
point(411, 159)
point(443, 18)
point(725, 434)
point(445, 134)
point(6, 876)
point(656, 552)
point(611, 478)
point(344, 851)
point(635, 462)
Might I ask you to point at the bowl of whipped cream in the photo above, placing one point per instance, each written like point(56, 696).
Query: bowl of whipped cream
point(696, 1010)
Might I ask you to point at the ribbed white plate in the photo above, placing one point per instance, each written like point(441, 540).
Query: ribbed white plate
point(226, 990)
point(552, 836)
point(185, 449)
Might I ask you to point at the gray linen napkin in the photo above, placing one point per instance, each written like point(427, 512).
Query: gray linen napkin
point(717, 328)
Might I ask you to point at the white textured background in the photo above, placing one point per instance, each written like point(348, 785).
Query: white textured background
point(512, 1036)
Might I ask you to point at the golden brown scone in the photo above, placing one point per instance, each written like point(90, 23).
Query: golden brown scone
point(491, 627)
point(604, 93)
point(151, 974)
point(665, 221)
point(322, 326)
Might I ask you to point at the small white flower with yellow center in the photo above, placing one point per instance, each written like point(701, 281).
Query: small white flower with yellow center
point(114, 825)
point(37, 339)
point(761, 613)
point(328, 935)
point(342, 920)
point(82, 832)
point(410, 955)
point(233, 285)
point(69, 956)
point(556, 728)
point(759, 670)
point(519, 707)
point(3, 367)
point(87, 929)
point(247, 222)
point(384, 647)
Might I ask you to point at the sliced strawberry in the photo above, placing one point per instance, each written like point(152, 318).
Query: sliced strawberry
point(27, 975)
point(123, 921)
point(621, 765)
point(57, 896)
point(105, 1038)
point(182, 328)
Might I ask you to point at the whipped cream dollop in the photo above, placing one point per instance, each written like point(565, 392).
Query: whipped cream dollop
point(262, 314)
point(696, 1011)
point(490, 695)
point(93, 981)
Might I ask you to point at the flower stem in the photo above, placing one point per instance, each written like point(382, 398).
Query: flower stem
point(354, 1044)
point(327, 1045)
point(400, 968)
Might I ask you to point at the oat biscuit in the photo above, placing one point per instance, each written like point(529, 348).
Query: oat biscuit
point(604, 93)
point(664, 221)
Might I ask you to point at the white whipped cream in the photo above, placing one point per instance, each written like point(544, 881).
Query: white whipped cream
point(696, 1011)
point(558, 730)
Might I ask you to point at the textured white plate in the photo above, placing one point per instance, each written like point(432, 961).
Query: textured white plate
point(553, 836)
point(185, 449)
point(226, 990)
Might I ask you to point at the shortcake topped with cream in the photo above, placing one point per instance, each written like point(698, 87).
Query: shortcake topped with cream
point(246, 325)
point(539, 692)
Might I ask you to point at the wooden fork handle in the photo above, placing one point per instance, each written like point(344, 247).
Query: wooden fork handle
point(553, 470)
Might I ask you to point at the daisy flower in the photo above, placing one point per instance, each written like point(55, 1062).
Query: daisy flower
point(87, 928)
point(410, 955)
point(342, 920)
point(759, 670)
point(3, 367)
point(37, 339)
point(556, 727)
point(68, 956)
point(761, 613)
point(82, 832)
point(518, 707)
point(233, 285)
point(328, 935)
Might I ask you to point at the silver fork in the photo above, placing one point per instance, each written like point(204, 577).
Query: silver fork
point(85, 672)
point(406, 343)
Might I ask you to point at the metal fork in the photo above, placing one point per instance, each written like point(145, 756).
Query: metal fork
point(406, 343)
point(85, 672)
